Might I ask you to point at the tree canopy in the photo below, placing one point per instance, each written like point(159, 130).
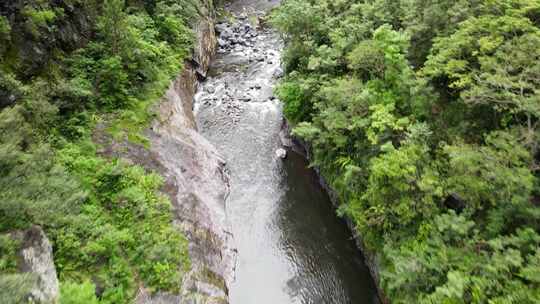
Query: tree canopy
point(423, 116)
point(65, 67)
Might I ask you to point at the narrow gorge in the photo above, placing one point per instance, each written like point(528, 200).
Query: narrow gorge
point(269, 152)
point(291, 247)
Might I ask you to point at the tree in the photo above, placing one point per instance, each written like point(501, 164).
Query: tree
point(411, 106)
point(36, 189)
point(454, 264)
point(495, 180)
point(509, 81)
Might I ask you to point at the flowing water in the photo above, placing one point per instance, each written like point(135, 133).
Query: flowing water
point(291, 246)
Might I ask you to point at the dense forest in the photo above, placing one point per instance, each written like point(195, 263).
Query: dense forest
point(424, 116)
point(67, 67)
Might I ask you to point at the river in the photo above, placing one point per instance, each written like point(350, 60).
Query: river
point(292, 248)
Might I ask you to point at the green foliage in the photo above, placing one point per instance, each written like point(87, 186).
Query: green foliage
point(423, 115)
point(14, 288)
point(123, 231)
point(8, 252)
point(40, 17)
point(401, 190)
point(37, 18)
point(492, 176)
point(64, 66)
point(5, 30)
point(76, 293)
point(296, 92)
point(464, 267)
point(36, 189)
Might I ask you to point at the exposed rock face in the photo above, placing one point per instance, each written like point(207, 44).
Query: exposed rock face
point(195, 178)
point(206, 45)
point(197, 183)
point(36, 258)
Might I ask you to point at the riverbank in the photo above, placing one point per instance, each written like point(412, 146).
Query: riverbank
point(413, 122)
point(196, 180)
point(371, 259)
point(80, 218)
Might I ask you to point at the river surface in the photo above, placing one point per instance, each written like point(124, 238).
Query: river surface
point(292, 248)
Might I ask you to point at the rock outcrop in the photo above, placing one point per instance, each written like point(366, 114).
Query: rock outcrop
point(196, 182)
point(36, 259)
point(198, 187)
point(195, 177)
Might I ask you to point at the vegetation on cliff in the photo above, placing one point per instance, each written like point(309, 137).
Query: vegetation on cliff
point(67, 66)
point(425, 118)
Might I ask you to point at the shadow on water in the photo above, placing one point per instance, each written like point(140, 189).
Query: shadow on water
point(328, 266)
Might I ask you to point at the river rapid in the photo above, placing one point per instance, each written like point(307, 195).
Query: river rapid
point(291, 246)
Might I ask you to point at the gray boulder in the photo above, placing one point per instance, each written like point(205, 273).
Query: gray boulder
point(36, 259)
point(281, 153)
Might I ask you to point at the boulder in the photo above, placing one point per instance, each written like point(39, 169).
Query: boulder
point(222, 27)
point(281, 153)
point(36, 258)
